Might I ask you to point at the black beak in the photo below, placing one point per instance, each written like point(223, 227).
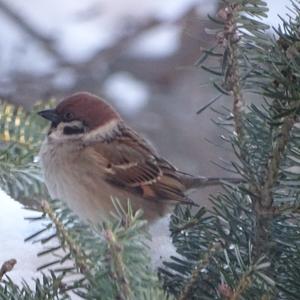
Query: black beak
point(50, 115)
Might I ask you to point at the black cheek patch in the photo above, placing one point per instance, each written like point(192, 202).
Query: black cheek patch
point(73, 130)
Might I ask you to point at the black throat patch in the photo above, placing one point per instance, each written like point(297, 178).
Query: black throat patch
point(68, 130)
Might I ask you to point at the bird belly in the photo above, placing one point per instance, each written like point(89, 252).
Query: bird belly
point(73, 178)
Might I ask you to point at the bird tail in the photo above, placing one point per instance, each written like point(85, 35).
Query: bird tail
point(191, 182)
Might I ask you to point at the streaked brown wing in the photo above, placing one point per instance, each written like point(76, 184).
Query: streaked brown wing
point(134, 164)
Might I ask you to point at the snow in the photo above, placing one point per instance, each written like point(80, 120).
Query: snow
point(129, 94)
point(161, 247)
point(13, 229)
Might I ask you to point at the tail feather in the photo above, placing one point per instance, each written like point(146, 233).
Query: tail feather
point(191, 182)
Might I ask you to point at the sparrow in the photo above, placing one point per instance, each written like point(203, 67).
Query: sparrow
point(90, 155)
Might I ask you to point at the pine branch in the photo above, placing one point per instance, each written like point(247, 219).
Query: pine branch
point(249, 277)
point(112, 258)
point(189, 287)
point(116, 260)
point(48, 287)
point(263, 206)
point(232, 76)
point(80, 257)
point(21, 128)
point(255, 218)
point(20, 136)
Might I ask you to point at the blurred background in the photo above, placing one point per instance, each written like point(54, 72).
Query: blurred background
point(136, 54)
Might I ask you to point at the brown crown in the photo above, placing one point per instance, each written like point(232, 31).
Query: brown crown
point(88, 108)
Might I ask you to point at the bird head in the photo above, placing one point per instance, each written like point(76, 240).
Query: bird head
point(80, 115)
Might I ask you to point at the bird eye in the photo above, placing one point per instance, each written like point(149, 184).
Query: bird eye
point(68, 116)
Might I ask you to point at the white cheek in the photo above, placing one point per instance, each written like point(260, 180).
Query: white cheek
point(57, 133)
point(101, 132)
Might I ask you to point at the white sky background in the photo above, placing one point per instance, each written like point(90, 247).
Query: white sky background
point(277, 8)
point(78, 42)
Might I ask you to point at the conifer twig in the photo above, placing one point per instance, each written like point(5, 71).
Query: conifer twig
point(80, 257)
point(232, 77)
point(119, 275)
point(243, 284)
point(203, 263)
point(263, 205)
point(272, 169)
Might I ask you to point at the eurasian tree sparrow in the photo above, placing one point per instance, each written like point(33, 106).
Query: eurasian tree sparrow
point(90, 155)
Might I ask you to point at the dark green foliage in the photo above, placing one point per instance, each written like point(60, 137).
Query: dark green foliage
point(218, 244)
point(47, 288)
point(21, 134)
point(104, 262)
point(248, 242)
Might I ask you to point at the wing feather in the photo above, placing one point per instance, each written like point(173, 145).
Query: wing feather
point(131, 162)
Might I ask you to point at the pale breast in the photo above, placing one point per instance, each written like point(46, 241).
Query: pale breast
point(73, 176)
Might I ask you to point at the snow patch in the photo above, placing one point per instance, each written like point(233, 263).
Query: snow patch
point(13, 229)
point(161, 247)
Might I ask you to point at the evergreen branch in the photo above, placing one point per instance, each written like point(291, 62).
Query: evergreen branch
point(111, 258)
point(242, 286)
point(80, 257)
point(20, 137)
point(247, 279)
point(272, 169)
point(189, 286)
point(22, 128)
point(191, 222)
point(48, 287)
point(20, 179)
point(263, 205)
point(118, 267)
point(232, 76)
